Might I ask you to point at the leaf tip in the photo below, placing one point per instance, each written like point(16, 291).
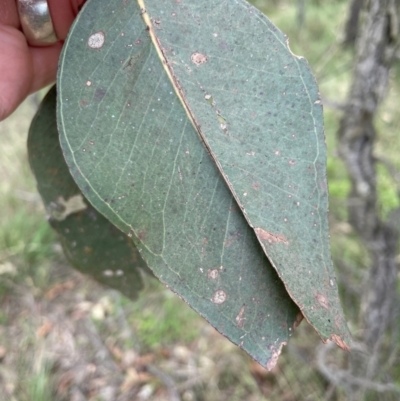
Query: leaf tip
point(275, 352)
point(339, 342)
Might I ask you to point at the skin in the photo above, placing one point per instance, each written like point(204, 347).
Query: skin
point(25, 69)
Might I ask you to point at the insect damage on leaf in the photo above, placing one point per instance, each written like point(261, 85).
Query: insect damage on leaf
point(62, 208)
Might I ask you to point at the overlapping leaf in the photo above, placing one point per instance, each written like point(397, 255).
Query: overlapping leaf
point(92, 244)
point(257, 108)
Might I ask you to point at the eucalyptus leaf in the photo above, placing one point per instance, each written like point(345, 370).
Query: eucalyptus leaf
point(137, 157)
point(92, 244)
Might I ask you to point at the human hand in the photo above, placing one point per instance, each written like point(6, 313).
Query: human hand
point(25, 69)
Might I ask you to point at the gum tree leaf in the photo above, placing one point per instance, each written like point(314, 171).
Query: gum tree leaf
point(92, 244)
point(138, 159)
point(257, 108)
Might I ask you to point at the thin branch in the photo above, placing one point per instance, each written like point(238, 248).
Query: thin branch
point(343, 377)
point(357, 135)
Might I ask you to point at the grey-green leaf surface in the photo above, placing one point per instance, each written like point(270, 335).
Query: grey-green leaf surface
point(258, 110)
point(136, 156)
point(92, 244)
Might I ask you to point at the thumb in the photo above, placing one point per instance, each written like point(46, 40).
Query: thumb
point(25, 69)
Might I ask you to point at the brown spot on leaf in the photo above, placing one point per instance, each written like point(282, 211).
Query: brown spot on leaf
point(338, 341)
point(240, 319)
point(142, 235)
point(322, 300)
point(234, 208)
point(228, 243)
point(269, 237)
point(198, 58)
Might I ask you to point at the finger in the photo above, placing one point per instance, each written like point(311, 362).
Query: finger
point(23, 69)
point(44, 65)
point(27, 69)
point(16, 70)
point(63, 13)
point(9, 13)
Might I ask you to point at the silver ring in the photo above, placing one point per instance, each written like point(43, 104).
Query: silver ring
point(36, 22)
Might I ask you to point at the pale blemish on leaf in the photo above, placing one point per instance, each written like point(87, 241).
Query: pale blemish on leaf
point(210, 99)
point(240, 320)
point(269, 237)
point(275, 352)
point(322, 300)
point(219, 297)
point(62, 208)
point(198, 58)
point(96, 41)
point(213, 274)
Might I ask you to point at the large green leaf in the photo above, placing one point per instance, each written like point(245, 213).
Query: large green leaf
point(136, 156)
point(92, 244)
point(258, 110)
